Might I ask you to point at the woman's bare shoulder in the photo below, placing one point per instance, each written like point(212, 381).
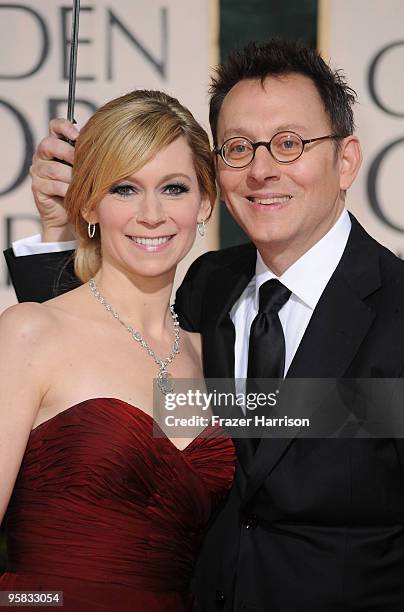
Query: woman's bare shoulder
point(74, 302)
point(34, 323)
point(25, 322)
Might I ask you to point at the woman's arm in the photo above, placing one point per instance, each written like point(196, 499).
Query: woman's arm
point(22, 333)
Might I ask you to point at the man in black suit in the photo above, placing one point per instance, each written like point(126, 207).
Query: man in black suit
point(311, 525)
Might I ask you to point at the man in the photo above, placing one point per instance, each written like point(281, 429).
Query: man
point(311, 525)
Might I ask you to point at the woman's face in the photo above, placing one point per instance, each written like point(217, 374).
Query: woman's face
point(148, 220)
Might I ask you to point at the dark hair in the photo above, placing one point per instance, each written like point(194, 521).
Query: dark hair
point(280, 57)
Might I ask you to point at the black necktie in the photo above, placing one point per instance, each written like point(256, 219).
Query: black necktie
point(266, 350)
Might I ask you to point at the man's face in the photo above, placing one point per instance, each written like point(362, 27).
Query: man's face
point(284, 208)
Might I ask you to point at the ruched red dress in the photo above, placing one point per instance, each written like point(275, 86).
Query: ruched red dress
point(109, 514)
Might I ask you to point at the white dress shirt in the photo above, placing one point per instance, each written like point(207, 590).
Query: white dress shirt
point(306, 279)
point(34, 246)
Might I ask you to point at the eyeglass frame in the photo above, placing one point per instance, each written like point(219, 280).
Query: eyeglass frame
point(267, 145)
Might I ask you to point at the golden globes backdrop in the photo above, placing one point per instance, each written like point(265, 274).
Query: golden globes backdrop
point(366, 39)
point(167, 44)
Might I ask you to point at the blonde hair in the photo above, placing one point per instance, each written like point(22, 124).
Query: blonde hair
point(117, 141)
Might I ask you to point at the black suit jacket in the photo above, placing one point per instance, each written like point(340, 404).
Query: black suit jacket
point(311, 525)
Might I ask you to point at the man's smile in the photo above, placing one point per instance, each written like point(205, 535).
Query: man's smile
point(268, 199)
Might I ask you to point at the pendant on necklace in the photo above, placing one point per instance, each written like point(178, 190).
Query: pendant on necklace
point(164, 382)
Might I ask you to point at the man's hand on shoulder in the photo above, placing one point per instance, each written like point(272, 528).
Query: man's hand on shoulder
point(51, 178)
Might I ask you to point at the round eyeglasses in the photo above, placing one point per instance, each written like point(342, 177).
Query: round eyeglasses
point(285, 147)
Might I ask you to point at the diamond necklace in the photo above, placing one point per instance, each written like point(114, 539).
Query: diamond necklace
point(164, 381)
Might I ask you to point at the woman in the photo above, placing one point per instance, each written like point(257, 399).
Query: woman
point(97, 507)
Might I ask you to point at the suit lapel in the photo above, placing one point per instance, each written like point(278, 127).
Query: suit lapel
point(225, 287)
point(336, 330)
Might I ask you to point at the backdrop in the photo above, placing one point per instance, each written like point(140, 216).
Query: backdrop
point(158, 44)
point(171, 45)
point(366, 39)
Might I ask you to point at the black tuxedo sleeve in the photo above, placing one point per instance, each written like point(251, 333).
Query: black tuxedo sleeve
point(189, 298)
point(37, 278)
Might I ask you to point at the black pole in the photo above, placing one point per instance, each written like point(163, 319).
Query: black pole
point(73, 61)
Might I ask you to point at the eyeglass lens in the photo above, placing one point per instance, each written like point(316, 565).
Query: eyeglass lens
point(284, 146)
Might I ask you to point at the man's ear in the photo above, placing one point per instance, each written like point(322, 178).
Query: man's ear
point(350, 159)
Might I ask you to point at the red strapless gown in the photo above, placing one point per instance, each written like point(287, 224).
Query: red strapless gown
point(110, 515)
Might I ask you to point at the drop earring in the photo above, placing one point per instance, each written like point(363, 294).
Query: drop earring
point(91, 230)
point(201, 227)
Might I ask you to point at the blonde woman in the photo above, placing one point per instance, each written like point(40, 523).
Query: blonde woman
point(96, 506)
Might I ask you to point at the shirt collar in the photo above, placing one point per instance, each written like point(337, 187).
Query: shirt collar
point(309, 275)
